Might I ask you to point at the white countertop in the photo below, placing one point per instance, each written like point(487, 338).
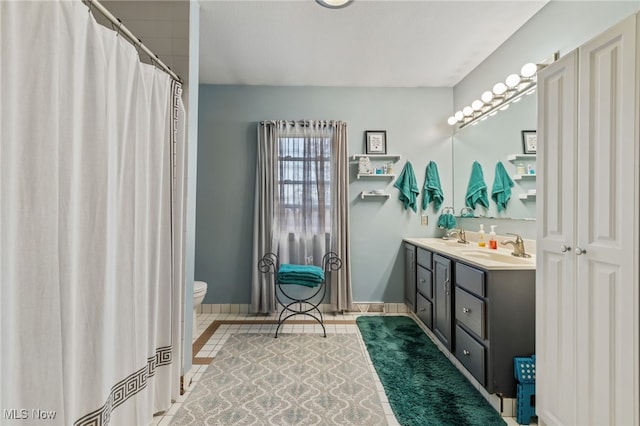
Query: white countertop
point(482, 257)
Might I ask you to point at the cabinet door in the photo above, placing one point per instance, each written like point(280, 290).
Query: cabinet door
point(442, 299)
point(410, 276)
point(587, 301)
point(607, 233)
point(555, 280)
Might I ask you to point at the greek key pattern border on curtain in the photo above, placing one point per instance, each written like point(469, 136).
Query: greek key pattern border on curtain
point(127, 388)
point(176, 92)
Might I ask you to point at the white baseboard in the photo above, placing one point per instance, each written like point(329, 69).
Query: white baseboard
point(370, 307)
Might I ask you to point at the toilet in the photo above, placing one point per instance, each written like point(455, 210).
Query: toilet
point(199, 291)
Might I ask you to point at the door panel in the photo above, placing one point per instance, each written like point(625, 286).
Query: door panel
point(555, 278)
point(442, 290)
point(607, 295)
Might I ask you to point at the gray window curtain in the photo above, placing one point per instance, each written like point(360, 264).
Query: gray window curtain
point(301, 208)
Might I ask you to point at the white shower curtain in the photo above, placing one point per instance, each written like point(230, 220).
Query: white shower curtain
point(90, 303)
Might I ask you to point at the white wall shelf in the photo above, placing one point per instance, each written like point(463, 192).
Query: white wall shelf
point(373, 157)
point(364, 195)
point(520, 177)
point(376, 175)
point(515, 157)
point(527, 196)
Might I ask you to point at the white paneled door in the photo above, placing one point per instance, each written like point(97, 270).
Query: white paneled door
point(587, 333)
point(556, 310)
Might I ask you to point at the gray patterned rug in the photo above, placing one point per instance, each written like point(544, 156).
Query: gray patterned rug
point(296, 379)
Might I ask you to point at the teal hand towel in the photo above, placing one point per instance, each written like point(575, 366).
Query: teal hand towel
point(447, 221)
point(307, 275)
point(408, 186)
point(477, 189)
point(432, 191)
point(501, 190)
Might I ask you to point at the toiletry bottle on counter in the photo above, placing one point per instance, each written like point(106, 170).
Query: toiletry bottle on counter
point(493, 244)
point(481, 242)
point(520, 169)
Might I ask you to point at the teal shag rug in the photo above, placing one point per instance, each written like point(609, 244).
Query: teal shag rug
point(423, 387)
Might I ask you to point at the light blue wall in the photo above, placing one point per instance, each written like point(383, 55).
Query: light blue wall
point(415, 121)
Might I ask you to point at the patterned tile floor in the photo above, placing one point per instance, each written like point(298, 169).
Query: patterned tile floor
point(215, 329)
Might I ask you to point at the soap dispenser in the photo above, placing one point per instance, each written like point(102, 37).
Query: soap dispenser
point(481, 242)
point(493, 244)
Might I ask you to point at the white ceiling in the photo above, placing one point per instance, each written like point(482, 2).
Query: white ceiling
point(371, 43)
point(375, 43)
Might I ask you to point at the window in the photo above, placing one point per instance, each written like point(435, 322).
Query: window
point(304, 182)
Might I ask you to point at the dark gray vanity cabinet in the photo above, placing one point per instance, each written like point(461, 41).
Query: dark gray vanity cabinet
point(494, 322)
point(410, 276)
point(443, 299)
point(424, 284)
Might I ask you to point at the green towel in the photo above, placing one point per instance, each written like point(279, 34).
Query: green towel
point(447, 221)
point(432, 190)
point(408, 186)
point(307, 275)
point(477, 189)
point(501, 190)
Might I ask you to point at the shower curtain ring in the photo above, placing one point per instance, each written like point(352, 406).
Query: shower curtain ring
point(90, 4)
point(119, 26)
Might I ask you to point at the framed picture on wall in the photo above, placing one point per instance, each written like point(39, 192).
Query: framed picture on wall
point(529, 141)
point(375, 142)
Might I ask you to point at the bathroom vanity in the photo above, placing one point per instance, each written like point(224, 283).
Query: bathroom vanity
point(479, 303)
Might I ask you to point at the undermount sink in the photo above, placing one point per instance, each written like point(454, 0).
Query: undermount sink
point(496, 256)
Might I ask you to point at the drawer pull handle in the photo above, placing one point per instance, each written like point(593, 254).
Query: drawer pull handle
point(422, 280)
point(466, 310)
point(466, 352)
point(423, 309)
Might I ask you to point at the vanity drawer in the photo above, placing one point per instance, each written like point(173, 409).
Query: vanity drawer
point(471, 354)
point(424, 310)
point(470, 312)
point(424, 282)
point(424, 258)
point(470, 279)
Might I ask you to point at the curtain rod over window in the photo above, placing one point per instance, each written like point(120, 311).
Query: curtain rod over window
point(299, 122)
point(135, 40)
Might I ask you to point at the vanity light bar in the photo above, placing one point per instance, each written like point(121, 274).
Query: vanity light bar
point(498, 99)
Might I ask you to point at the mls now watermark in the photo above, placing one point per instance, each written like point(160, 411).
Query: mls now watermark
point(24, 414)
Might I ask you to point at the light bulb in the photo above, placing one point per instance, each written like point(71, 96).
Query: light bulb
point(513, 80)
point(528, 70)
point(467, 111)
point(477, 105)
point(452, 120)
point(499, 88)
point(459, 115)
point(334, 4)
point(487, 97)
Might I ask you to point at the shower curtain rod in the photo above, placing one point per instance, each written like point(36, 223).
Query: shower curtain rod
point(135, 40)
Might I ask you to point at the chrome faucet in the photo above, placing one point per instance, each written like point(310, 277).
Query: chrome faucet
point(462, 237)
point(518, 246)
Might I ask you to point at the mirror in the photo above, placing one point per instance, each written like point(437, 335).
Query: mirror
point(498, 138)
